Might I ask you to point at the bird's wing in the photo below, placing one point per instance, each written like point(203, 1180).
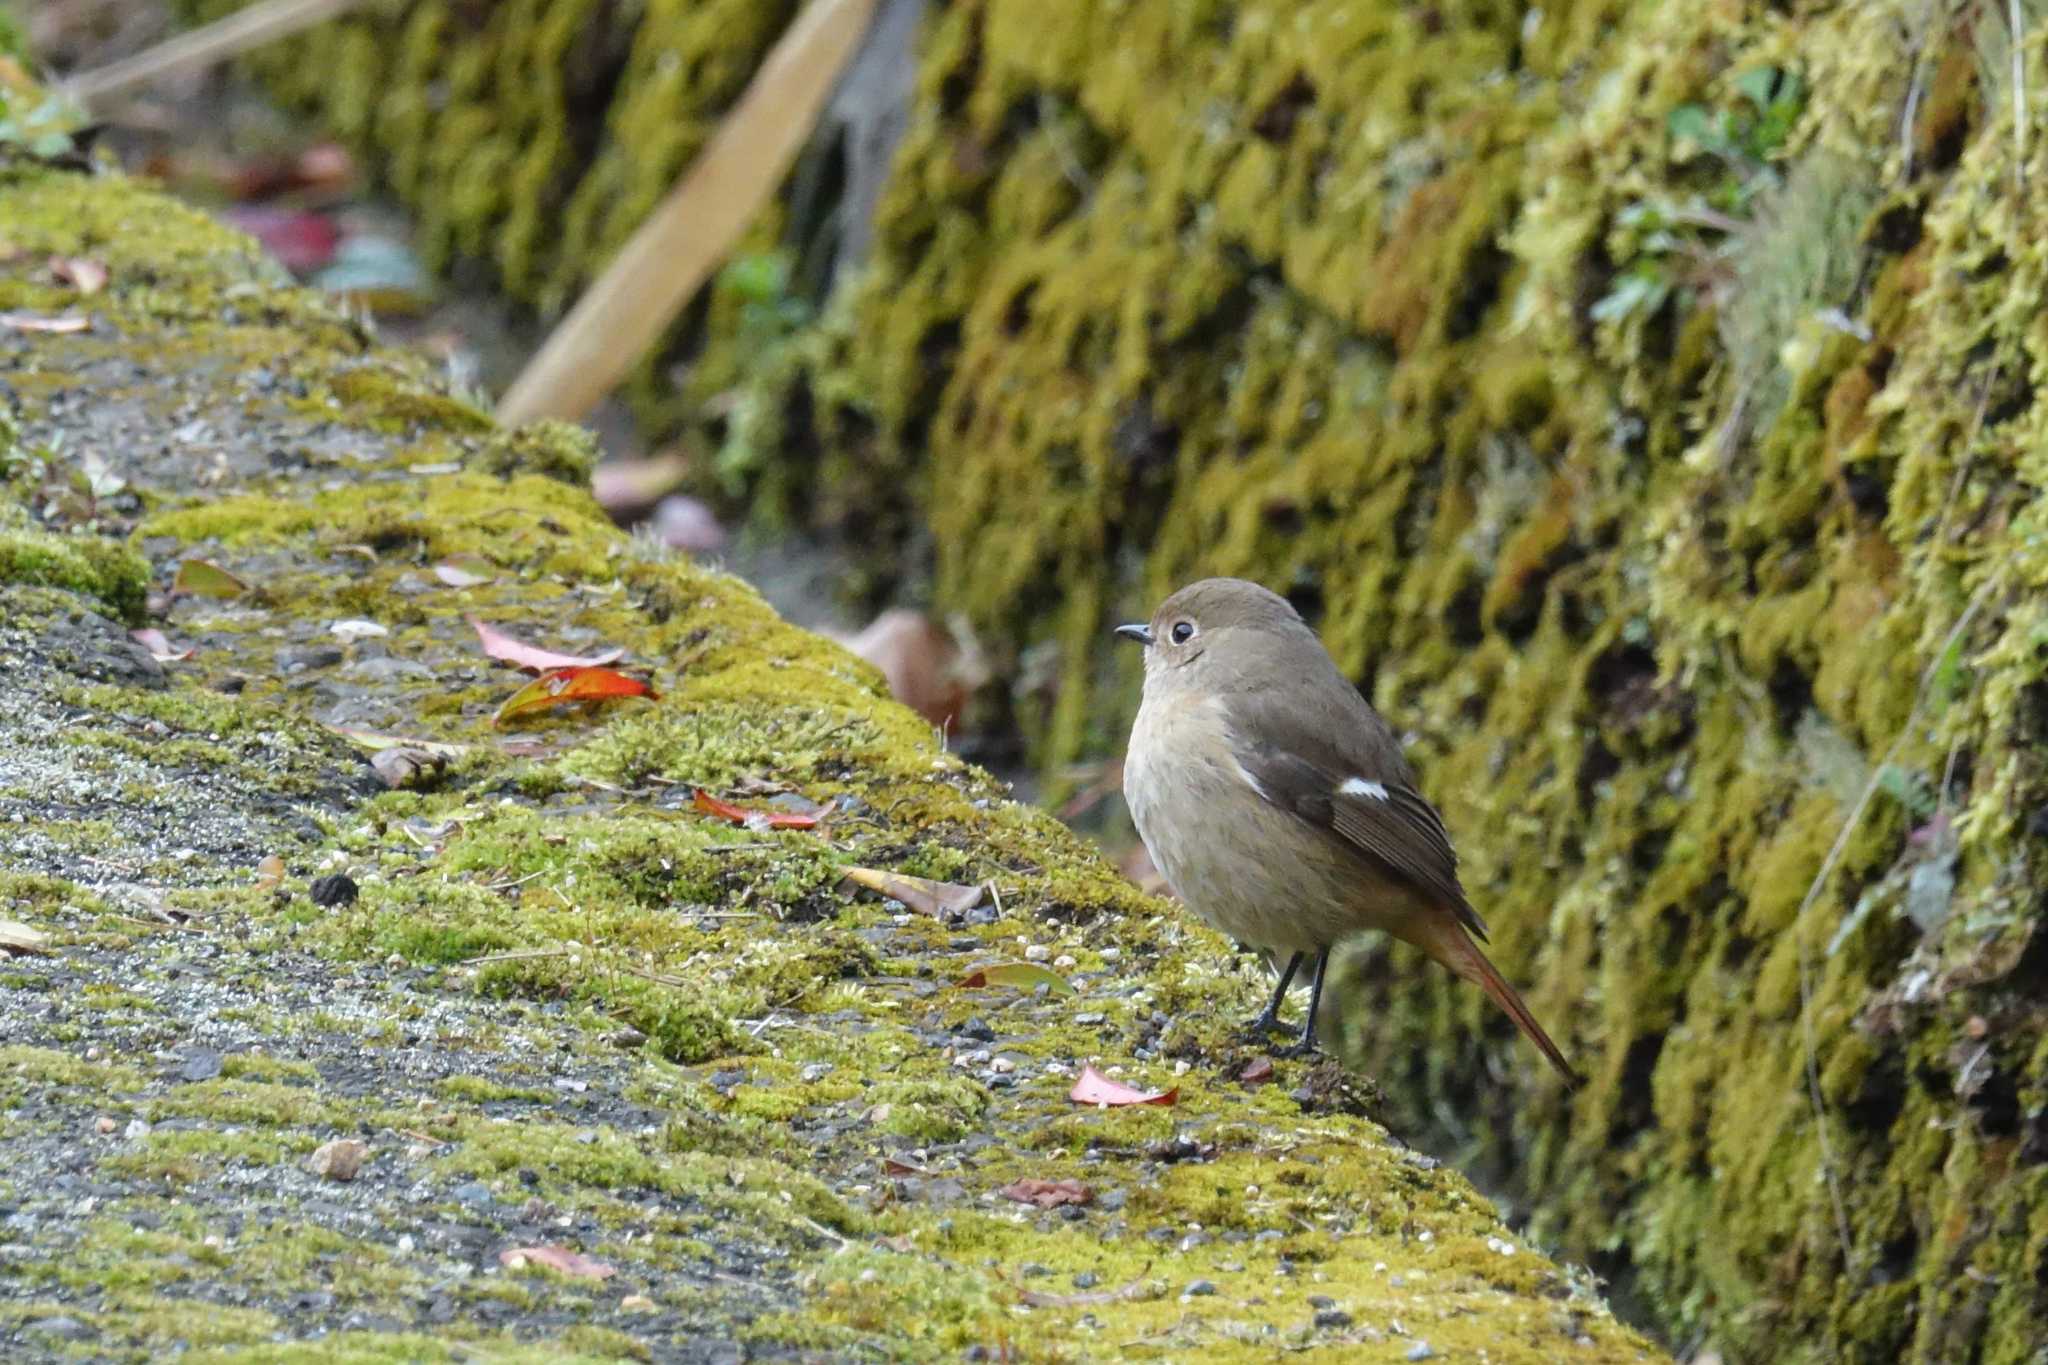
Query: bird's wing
point(1350, 780)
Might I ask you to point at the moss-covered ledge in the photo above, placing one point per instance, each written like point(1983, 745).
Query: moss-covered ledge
point(564, 1008)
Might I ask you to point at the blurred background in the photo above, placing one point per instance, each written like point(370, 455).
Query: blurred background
point(1640, 398)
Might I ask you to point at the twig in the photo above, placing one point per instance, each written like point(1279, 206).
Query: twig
point(690, 231)
point(216, 42)
point(1820, 880)
point(521, 955)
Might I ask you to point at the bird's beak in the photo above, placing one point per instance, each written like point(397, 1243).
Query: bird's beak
point(1137, 631)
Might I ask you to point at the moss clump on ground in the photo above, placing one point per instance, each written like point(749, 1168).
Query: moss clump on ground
point(557, 1003)
point(1637, 407)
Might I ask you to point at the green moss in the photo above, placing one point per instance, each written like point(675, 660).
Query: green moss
point(107, 571)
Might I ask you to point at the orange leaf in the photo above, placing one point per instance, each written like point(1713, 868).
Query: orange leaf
point(753, 819)
point(566, 685)
point(512, 650)
point(1093, 1087)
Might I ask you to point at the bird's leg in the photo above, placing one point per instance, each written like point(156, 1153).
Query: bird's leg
point(1269, 1017)
point(1307, 1044)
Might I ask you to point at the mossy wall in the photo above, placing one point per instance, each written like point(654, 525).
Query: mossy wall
point(1642, 400)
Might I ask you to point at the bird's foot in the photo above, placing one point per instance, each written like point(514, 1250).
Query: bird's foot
point(1302, 1047)
point(1261, 1028)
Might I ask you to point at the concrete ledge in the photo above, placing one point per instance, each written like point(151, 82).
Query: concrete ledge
point(564, 1008)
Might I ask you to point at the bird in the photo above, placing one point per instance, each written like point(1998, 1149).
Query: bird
point(1278, 804)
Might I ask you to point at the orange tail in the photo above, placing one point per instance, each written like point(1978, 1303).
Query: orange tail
point(1446, 941)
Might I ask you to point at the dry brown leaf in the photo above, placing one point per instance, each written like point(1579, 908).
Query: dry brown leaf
point(918, 660)
point(1047, 1194)
point(82, 273)
point(574, 1264)
point(921, 894)
point(16, 937)
point(269, 873)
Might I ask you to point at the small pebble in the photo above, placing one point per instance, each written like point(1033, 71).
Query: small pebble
point(1112, 1201)
point(1332, 1319)
point(136, 1128)
point(1421, 1350)
point(814, 1072)
point(104, 1125)
point(1037, 952)
point(1087, 1279)
point(1065, 961)
point(1199, 1289)
point(1193, 1240)
point(340, 1159)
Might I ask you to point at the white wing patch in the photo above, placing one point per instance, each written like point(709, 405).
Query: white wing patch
point(1358, 786)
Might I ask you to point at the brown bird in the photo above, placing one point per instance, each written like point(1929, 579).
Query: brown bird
point(1280, 807)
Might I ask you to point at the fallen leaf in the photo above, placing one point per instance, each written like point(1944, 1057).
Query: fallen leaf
point(353, 630)
point(159, 647)
point(509, 649)
point(207, 579)
point(1257, 1072)
point(574, 1264)
point(469, 571)
point(340, 1159)
point(82, 273)
point(1092, 1087)
point(1136, 1289)
point(627, 488)
point(566, 685)
point(377, 273)
point(1047, 1194)
point(921, 894)
point(38, 322)
point(891, 1166)
point(405, 767)
point(684, 523)
point(373, 742)
point(753, 819)
point(269, 873)
point(919, 661)
point(636, 1303)
point(19, 938)
point(1025, 976)
point(301, 242)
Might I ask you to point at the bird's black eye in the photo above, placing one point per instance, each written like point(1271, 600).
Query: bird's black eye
point(1182, 632)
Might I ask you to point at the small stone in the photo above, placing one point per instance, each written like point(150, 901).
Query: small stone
point(1111, 1202)
point(1193, 1240)
point(474, 1193)
point(104, 1125)
point(814, 1072)
point(136, 1129)
point(636, 1303)
point(61, 1328)
point(340, 1159)
point(1087, 1279)
point(1002, 1065)
point(201, 1064)
point(1421, 1350)
point(1199, 1289)
point(334, 889)
point(1332, 1319)
point(1038, 952)
point(405, 1244)
point(1031, 1270)
point(1091, 1017)
point(1065, 961)
point(978, 1030)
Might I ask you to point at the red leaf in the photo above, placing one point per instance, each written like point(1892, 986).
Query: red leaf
point(508, 649)
point(1095, 1088)
point(753, 819)
point(1047, 1194)
point(566, 685)
point(1257, 1072)
point(301, 242)
point(574, 1264)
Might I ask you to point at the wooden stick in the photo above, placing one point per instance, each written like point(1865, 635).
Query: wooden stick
point(690, 231)
point(216, 42)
